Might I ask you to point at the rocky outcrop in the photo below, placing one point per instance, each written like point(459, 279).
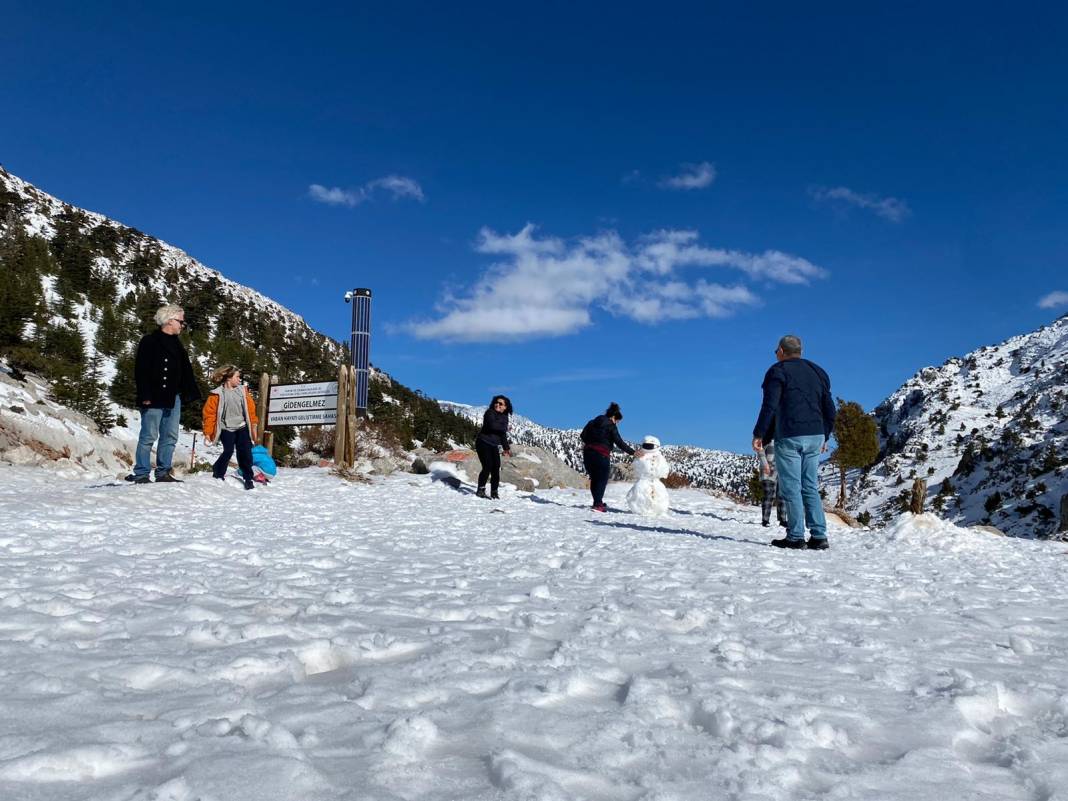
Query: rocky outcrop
point(36, 431)
point(530, 468)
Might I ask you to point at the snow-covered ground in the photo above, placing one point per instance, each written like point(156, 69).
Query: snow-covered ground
point(317, 639)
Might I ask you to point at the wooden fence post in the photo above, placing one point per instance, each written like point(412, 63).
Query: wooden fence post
point(350, 420)
point(268, 442)
point(342, 412)
point(261, 407)
point(919, 496)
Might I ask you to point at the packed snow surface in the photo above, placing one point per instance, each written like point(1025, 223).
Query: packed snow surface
point(316, 639)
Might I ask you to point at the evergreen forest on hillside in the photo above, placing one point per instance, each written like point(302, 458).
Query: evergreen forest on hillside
point(74, 306)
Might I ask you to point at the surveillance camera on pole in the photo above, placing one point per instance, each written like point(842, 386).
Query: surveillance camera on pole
point(360, 343)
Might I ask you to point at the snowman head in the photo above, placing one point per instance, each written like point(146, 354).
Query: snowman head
point(650, 443)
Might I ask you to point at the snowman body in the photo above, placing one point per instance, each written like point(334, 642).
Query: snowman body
point(649, 496)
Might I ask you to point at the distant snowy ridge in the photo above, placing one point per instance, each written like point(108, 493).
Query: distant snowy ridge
point(708, 469)
point(994, 423)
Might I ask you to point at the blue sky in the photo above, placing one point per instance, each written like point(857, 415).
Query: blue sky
point(580, 203)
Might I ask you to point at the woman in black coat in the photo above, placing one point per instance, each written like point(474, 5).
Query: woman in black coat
point(598, 437)
point(493, 437)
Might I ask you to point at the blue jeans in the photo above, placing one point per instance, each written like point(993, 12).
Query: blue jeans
point(797, 460)
point(156, 424)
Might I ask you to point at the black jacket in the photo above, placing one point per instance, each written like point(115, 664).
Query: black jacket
point(797, 396)
point(495, 429)
point(162, 372)
point(600, 434)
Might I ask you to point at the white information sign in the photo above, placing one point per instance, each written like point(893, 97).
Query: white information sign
point(302, 404)
point(298, 390)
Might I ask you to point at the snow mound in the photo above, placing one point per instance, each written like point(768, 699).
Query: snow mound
point(930, 531)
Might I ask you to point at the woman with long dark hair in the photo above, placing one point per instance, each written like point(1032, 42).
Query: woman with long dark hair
point(598, 437)
point(493, 437)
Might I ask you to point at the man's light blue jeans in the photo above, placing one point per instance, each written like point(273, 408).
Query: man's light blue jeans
point(798, 461)
point(161, 424)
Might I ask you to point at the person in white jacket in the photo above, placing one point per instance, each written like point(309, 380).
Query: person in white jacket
point(649, 496)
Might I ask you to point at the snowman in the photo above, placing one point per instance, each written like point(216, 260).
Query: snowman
point(649, 496)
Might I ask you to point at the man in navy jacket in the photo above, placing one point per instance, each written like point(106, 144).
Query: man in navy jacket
point(797, 395)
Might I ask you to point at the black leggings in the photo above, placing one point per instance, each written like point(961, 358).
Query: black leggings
point(490, 457)
point(230, 440)
point(598, 468)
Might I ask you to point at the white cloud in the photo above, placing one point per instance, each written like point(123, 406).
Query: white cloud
point(543, 286)
point(692, 176)
point(1053, 300)
point(397, 186)
point(334, 196)
point(663, 251)
point(889, 208)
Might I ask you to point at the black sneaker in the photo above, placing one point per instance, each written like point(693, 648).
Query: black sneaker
point(765, 523)
point(140, 480)
point(250, 485)
point(817, 544)
point(786, 542)
point(495, 496)
point(480, 492)
point(168, 478)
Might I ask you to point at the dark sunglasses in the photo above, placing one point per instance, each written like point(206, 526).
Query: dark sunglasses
point(649, 446)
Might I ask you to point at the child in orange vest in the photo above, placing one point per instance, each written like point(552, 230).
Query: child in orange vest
point(230, 417)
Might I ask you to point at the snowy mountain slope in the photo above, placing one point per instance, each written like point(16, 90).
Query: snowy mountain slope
point(989, 432)
point(163, 270)
point(91, 285)
point(708, 469)
point(320, 641)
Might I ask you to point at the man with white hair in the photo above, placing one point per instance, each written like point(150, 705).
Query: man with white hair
point(164, 378)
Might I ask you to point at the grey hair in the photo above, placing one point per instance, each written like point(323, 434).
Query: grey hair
point(790, 345)
point(165, 313)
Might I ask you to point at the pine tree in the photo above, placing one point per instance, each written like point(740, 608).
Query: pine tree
point(110, 334)
point(73, 252)
point(65, 346)
point(84, 392)
point(20, 290)
point(146, 264)
point(756, 487)
point(123, 389)
point(858, 441)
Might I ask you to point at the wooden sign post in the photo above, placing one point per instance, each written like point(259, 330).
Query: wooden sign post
point(350, 418)
point(312, 403)
point(341, 426)
point(266, 438)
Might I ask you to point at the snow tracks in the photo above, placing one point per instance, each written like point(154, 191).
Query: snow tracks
point(320, 640)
